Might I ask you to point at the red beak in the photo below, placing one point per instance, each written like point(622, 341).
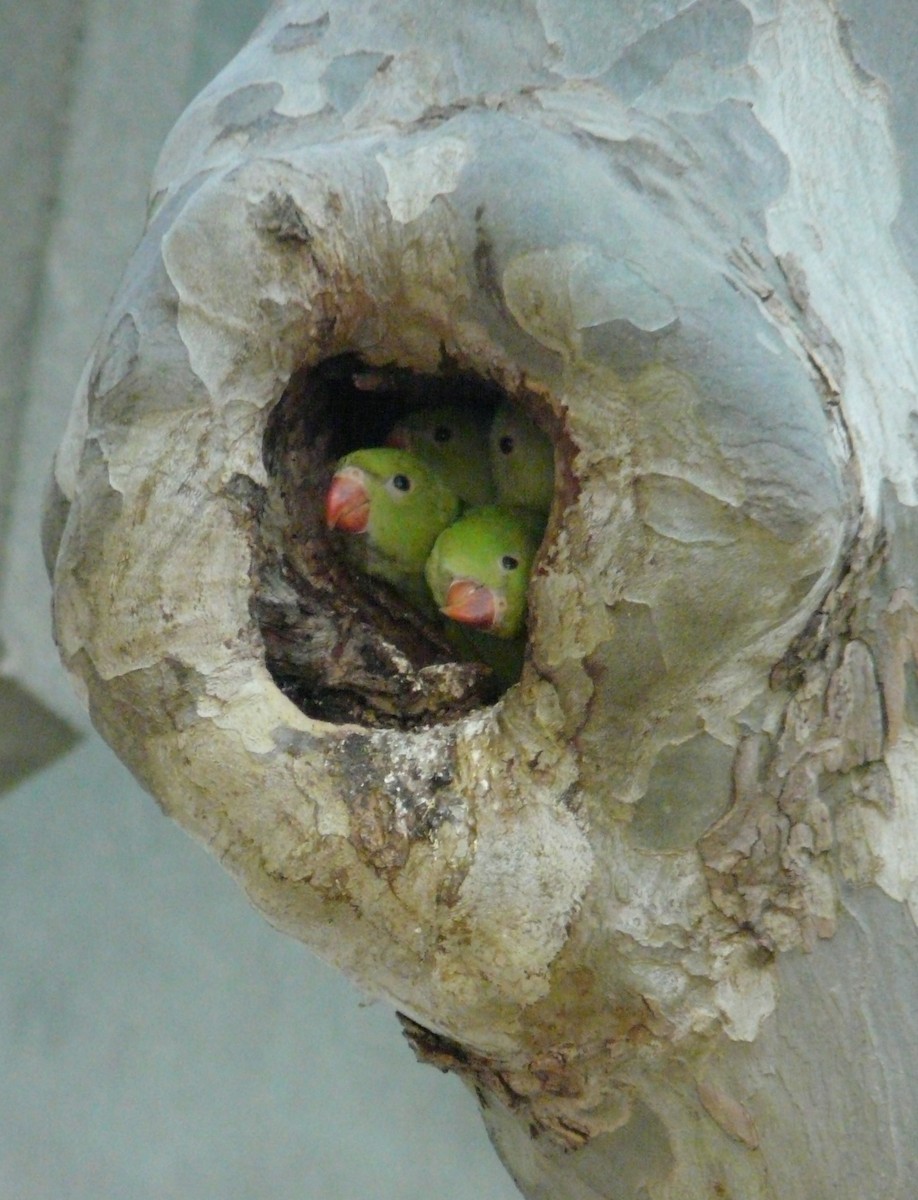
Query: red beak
point(398, 439)
point(347, 505)
point(471, 603)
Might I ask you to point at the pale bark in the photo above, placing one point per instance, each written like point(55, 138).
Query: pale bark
point(654, 901)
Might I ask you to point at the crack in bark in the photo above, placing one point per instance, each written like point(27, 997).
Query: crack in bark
point(769, 861)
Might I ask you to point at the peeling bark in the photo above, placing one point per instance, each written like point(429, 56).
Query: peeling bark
point(644, 900)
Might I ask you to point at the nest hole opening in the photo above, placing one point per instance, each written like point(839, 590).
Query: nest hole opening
point(344, 646)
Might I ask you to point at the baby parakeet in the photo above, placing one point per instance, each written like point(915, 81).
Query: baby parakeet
point(478, 570)
point(391, 506)
point(454, 441)
point(522, 460)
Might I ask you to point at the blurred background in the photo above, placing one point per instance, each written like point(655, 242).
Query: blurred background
point(157, 1038)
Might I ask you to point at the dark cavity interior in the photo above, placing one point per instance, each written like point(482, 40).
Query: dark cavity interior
point(342, 646)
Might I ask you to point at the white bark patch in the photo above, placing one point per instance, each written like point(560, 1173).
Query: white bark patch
point(653, 899)
point(522, 888)
point(686, 89)
point(418, 176)
point(252, 707)
point(854, 713)
point(583, 46)
point(893, 840)
point(67, 459)
point(591, 108)
point(244, 317)
point(530, 871)
point(744, 999)
point(148, 594)
point(676, 509)
point(554, 294)
point(412, 83)
point(840, 235)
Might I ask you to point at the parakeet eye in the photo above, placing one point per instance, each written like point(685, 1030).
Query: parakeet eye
point(401, 483)
point(509, 563)
point(506, 444)
point(442, 433)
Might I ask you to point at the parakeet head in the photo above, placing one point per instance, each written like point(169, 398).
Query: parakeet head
point(393, 506)
point(522, 460)
point(478, 570)
point(454, 441)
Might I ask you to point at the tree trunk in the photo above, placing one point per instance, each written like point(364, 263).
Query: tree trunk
point(653, 900)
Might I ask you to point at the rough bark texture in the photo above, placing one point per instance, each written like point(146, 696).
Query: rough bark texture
point(655, 901)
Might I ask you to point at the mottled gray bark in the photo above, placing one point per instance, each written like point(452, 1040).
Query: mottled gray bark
point(655, 902)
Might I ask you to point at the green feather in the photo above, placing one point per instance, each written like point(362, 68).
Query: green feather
point(493, 546)
point(409, 505)
point(453, 440)
point(522, 460)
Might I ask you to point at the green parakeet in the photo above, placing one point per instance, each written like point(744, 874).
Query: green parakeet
point(454, 441)
point(390, 506)
point(522, 460)
point(478, 569)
